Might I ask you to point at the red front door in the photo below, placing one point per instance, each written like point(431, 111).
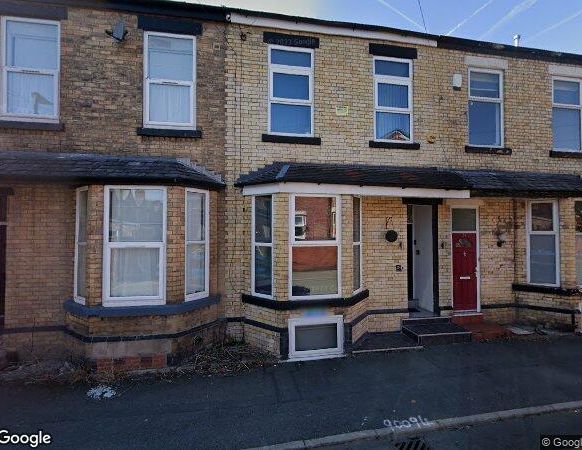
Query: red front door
point(464, 271)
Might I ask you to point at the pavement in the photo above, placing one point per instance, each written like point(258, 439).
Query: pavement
point(297, 401)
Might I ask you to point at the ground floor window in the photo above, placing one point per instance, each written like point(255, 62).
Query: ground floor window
point(578, 211)
point(135, 242)
point(81, 245)
point(197, 233)
point(262, 257)
point(543, 252)
point(315, 246)
point(313, 337)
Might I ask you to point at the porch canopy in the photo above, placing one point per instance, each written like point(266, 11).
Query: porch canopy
point(428, 182)
point(31, 166)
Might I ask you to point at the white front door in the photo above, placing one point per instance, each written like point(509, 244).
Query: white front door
point(423, 256)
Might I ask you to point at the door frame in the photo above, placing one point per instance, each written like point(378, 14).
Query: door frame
point(478, 251)
point(434, 203)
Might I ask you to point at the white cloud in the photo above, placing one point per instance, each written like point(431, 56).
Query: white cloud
point(515, 11)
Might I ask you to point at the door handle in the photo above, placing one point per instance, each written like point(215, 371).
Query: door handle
point(465, 278)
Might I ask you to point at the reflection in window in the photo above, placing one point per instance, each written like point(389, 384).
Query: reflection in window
point(485, 108)
point(263, 246)
point(314, 247)
point(543, 239)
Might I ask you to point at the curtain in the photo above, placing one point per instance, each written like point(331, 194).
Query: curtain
point(393, 126)
point(196, 268)
point(196, 217)
point(31, 94)
point(135, 272)
point(136, 215)
point(169, 103)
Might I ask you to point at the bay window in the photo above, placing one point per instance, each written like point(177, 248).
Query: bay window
point(357, 244)
point(262, 256)
point(290, 91)
point(197, 252)
point(135, 244)
point(486, 108)
point(393, 99)
point(315, 266)
point(80, 289)
point(30, 69)
point(169, 80)
point(566, 120)
point(543, 243)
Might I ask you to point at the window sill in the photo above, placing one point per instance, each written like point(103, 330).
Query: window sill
point(31, 125)
point(395, 145)
point(291, 139)
point(565, 154)
point(289, 305)
point(139, 311)
point(556, 290)
point(488, 150)
point(164, 132)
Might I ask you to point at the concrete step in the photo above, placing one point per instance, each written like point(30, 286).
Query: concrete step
point(425, 320)
point(436, 333)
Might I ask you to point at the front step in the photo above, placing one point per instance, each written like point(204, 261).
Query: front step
point(435, 331)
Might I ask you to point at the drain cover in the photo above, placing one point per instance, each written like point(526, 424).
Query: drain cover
point(412, 444)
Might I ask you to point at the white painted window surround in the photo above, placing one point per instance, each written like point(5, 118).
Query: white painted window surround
point(80, 284)
point(197, 257)
point(483, 62)
point(29, 69)
point(134, 250)
point(169, 81)
point(543, 243)
point(316, 337)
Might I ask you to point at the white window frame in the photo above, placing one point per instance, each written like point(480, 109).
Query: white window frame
point(555, 232)
point(205, 242)
point(159, 299)
point(391, 79)
point(293, 242)
point(567, 106)
point(359, 243)
point(4, 70)
point(78, 298)
point(291, 70)
point(147, 81)
point(316, 354)
point(499, 101)
point(255, 244)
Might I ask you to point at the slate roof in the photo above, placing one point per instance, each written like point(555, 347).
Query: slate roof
point(90, 168)
point(479, 182)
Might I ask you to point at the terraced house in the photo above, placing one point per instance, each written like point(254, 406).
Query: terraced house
point(173, 173)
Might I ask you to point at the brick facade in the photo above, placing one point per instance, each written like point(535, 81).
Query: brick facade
point(101, 98)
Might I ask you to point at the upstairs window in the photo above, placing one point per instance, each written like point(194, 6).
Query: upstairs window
point(486, 108)
point(169, 85)
point(566, 122)
point(393, 99)
point(290, 91)
point(30, 69)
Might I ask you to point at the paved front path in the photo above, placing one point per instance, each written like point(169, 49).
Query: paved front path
point(299, 401)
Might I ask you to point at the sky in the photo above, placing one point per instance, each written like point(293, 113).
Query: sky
point(547, 24)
